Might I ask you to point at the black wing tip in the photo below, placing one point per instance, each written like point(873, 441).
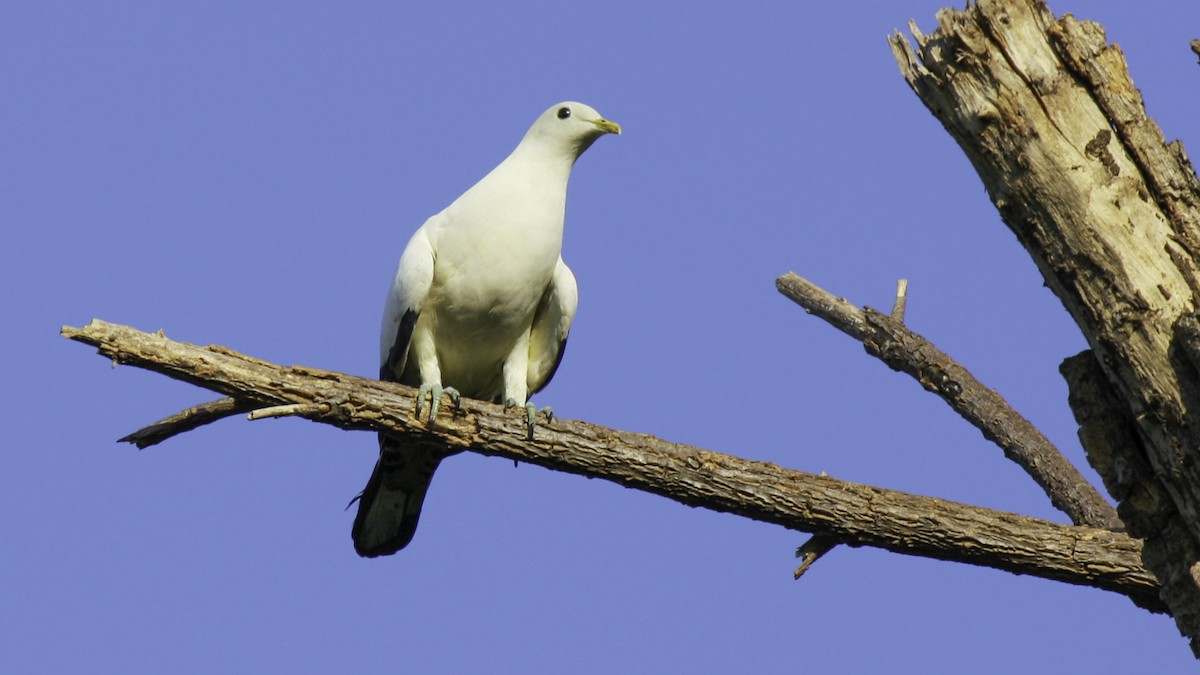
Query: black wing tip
point(393, 365)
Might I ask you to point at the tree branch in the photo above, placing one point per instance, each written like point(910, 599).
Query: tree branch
point(857, 515)
point(905, 351)
point(186, 420)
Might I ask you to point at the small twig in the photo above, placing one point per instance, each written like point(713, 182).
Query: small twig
point(816, 546)
point(903, 350)
point(901, 300)
point(186, 420)
point(302, 409)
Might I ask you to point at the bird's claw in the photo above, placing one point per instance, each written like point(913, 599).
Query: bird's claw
point(546, 412)
point(435, 392)
point(532, 413)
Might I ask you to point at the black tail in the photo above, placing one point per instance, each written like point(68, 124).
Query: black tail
point(390, 506)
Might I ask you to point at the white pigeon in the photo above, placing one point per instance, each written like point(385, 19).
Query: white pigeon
point(480, 307)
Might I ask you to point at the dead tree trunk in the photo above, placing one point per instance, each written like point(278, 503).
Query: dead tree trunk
point(1047, 113)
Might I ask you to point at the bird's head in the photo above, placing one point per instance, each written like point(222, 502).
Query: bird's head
point(570, 127)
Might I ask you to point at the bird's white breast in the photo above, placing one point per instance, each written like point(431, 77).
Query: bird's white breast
point(496, 250)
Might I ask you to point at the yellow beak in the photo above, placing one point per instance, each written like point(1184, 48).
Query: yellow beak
point(607, 126)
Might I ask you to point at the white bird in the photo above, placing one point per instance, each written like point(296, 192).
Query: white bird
point(480, 307)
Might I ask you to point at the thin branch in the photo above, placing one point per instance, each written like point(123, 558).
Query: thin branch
point(857, 515)
point(186, 420)
point(905, 351)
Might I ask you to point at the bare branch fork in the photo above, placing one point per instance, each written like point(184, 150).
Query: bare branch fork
point(886, 338)
point(849, 513)
point(901, 349)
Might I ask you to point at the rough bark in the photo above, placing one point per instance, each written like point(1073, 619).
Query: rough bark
point(852, 514)
point(901, 349)
point(186, 420)
point(1047, 113)
point(1110, 437)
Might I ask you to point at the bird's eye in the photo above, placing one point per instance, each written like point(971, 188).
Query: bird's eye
point(564, 113)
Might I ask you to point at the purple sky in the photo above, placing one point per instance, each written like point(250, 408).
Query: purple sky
point(247, 174)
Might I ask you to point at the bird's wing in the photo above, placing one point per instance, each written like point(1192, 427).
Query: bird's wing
point(390, 504)
point(414, 276)
point(551, 323)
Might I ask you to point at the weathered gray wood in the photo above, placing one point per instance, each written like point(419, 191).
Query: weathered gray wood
point(853, 514)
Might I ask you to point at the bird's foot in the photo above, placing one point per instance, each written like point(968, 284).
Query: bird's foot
point(435, 392)
point(531, 413)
